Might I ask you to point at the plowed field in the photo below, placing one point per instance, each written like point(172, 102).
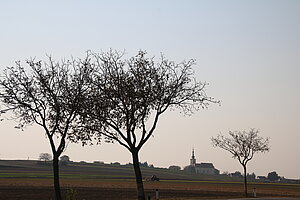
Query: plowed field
point(89, 189)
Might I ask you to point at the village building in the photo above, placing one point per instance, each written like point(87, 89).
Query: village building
point(203, 168)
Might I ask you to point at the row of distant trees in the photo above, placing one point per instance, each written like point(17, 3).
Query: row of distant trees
point(64, 160)
point(272, 176)
point(46, 157)
point(102, 97)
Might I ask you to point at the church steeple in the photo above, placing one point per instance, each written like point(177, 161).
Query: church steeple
point(193, 153)
point(193, 159)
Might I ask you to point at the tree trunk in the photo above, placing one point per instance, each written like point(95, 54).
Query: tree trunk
point(138, 175)
point(56, 177)
point(245, 181)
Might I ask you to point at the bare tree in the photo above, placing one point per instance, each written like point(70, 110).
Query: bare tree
point(48, 94)
point(45, 157)
point(242, 145)
point(129, 96)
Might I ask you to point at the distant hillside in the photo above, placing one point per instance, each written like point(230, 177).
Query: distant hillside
point(33, 168)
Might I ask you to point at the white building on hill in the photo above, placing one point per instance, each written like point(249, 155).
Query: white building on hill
point(203, 168)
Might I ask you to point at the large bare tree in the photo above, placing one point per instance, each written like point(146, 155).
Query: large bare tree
point(48, 94)
point(242, 145)
point(129, 96)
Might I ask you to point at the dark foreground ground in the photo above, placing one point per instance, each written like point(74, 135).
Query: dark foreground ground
point(46, 193)
point(42, 189)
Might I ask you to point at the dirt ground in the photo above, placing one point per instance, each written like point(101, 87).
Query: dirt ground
point(33, 189)
point(32, 193)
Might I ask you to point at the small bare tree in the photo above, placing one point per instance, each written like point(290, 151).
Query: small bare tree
point(48, 94)
point(45, 157)
point(129, 96)
point(242, 145)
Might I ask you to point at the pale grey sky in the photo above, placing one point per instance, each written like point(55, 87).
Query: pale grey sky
point(249, 52)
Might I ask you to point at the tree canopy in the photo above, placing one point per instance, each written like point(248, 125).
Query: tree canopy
point(128, 96)
point(242, 144)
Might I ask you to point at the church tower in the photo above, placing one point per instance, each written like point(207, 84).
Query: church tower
point(193, 159)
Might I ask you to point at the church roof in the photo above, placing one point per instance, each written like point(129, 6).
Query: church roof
point(205, 165)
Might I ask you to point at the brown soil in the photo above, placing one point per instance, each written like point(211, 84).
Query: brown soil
point(32, 193)
point(33, 189)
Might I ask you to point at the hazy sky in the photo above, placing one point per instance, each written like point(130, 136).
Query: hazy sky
point(249, 52)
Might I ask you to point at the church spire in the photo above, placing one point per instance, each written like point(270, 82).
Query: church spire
point(193, 153)
point(193, 159)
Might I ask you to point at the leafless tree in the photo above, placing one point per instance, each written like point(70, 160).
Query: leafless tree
point(48, 94)
point(45, 157)
point(129, 96)
point(242, 145)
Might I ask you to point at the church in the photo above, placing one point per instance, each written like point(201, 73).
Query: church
point(203, 168)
